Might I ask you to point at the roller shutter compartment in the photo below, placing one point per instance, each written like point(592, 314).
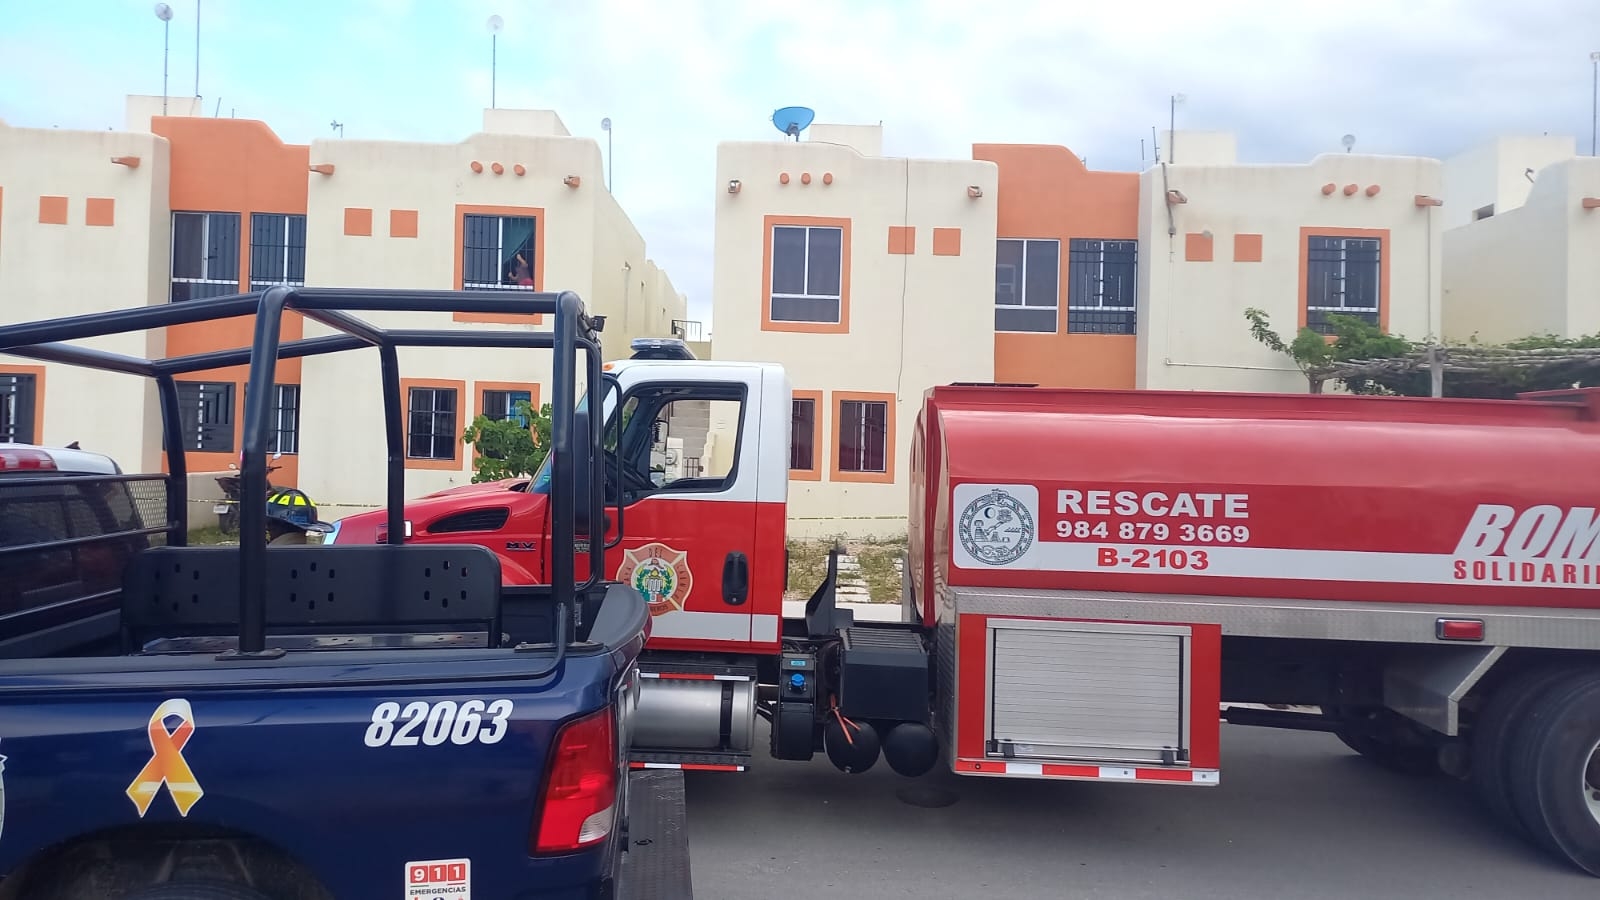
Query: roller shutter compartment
point(1091, 692)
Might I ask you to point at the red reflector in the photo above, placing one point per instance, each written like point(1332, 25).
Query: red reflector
point(1460, 629)
point(25, 460)
point(580, 791)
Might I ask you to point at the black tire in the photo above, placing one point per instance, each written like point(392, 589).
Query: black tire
point(1496, 727)
point(1550, 764)
point(1384, 742)
point(196, 890)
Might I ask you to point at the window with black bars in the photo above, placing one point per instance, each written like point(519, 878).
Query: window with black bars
point(863, 436)
point(502, 405)
point(205, 255)
point(18, 401)
point(1027, 282)
point(802, 434)
point(277, 250)
point(283, 428)
point(205, 409)
point(431, 423)
point(1342, 278)
point(285, 434)
point(1102, 287)
point(497, 252)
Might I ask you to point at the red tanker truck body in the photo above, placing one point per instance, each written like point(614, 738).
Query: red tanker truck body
point(1388, 501)
point(1093, 574)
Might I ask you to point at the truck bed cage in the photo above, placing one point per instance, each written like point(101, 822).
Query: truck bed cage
point(573, 331)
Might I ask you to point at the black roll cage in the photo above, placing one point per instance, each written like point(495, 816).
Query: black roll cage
point(573, 330)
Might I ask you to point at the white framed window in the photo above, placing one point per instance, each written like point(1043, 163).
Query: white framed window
point(205, 255)
point(1343, 277)
point(1027, 284)
point(807, 274)
point(497, 252)
point(277, 250)
point(1102, 286)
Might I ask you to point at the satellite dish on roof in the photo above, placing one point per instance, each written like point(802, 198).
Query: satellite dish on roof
point(792, 120)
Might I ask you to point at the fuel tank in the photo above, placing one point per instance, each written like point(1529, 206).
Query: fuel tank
point(1325, 497)
point(682, 714)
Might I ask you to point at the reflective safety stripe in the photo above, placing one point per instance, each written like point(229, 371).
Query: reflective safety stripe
point(704, 767)
point(1085, 772)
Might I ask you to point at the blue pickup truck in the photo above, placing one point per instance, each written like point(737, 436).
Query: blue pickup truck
point(302, 722)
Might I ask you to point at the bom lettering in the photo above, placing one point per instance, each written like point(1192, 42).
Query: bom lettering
point(1538, 532)
point(1156, 504)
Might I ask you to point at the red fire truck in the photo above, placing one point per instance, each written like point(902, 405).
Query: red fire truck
point(1092, 575)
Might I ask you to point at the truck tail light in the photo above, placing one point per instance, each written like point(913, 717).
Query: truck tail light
point(26, 461)
point(580, 791)
point(1459, 629)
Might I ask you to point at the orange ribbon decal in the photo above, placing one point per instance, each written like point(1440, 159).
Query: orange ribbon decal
point(167, 764)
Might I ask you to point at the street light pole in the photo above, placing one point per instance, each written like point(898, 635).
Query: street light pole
point(605, 125)
point(495, 24)
point(164, 13)
point(1594, 101)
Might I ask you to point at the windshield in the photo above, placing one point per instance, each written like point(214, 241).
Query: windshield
point(541, 481)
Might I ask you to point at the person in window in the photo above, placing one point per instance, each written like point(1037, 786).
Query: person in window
point(521, 273)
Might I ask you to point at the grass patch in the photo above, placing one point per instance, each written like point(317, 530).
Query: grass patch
point(808, 565)
point(210, 536)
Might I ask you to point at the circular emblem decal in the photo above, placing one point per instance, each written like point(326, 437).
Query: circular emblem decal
point(996, 528)
point(660, 574)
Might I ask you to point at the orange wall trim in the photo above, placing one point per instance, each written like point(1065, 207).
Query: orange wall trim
point(1247, 248)
point(767, 324)
point(236, 166)
point(884, 477)
point(1197, 247)
point(100, 211)
point(357, 221)
point(38, 395)
point(52, 210)
point(947, 242)
point(540, 227)
point(402, 223)
point(464, 416)
point(1046, 191)
point(819, 451)
point(902, 239)
point(1385, 250)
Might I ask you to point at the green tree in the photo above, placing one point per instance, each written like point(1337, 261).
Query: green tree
point(1313, 353)
point(1368, 361)
point(511, 447)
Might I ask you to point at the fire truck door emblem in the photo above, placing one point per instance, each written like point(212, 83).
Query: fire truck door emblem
point(660, 574)
point(996, 528)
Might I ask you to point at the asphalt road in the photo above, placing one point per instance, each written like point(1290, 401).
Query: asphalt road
point(1296, 816)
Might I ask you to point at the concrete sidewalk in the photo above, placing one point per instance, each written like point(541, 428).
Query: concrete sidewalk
point(865, 612)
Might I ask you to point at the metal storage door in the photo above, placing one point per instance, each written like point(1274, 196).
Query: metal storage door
point(1092, 692)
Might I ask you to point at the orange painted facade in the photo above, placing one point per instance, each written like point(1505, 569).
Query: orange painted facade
point(234, 166)
point(1047, 192)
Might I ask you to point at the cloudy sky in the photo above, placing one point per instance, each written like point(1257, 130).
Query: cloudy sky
point(675, 76)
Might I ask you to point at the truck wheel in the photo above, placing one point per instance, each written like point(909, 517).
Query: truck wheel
point(196, 890)
point(1554, 770)
point(1496, 727)
point(1389, 744)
